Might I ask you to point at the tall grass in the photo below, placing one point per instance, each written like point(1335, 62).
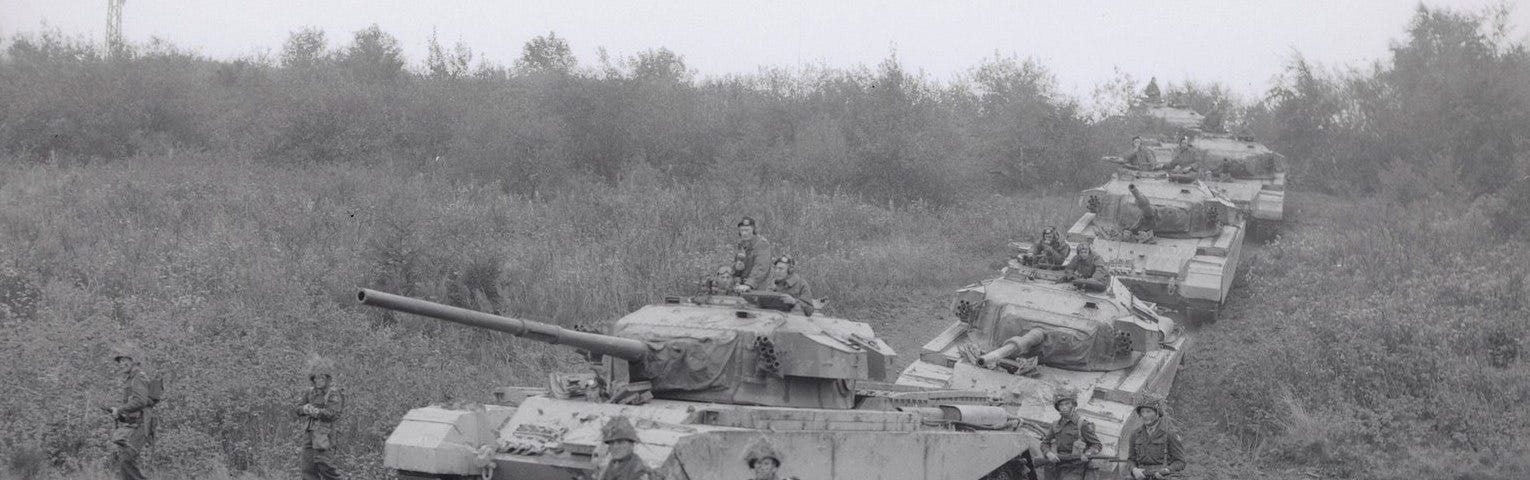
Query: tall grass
point(230, 271)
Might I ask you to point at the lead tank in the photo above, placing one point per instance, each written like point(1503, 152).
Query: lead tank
point(1188, 260)
point(703, 379)
point(1029, 333)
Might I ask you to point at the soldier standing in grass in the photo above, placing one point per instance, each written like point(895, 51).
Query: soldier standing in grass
point(1071, 437)
point(784, 279)
point(620, 438)
point(1155, 447)
point(757, 255)
point(320, 407)
point(134, 416)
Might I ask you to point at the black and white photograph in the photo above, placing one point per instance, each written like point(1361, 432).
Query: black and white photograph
point(768, 240)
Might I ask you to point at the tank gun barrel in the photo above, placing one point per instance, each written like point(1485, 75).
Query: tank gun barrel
point(551, 334)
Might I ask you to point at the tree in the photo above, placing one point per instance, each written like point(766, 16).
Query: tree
point(546, 54)
point(304, 48)
point(660, 65)
point(441, 64)
point(374, 55)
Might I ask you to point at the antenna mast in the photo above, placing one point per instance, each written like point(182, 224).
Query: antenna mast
point(114, 26)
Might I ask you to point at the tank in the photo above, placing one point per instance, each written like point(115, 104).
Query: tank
point(702, 379)
point(1028, 333)
point(1247, 172)
point(1177, 116)
point(1188, 261)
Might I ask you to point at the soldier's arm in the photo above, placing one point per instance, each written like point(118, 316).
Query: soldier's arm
point(332, 408)
point(761, 270)
point(1092, 445)
point(1176, 453)
point(1049, 441)
point(137, 395)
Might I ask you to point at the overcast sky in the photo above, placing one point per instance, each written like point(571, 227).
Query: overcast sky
point(1243, 44)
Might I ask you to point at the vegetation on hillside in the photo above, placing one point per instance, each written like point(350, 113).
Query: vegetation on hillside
point(222, 213)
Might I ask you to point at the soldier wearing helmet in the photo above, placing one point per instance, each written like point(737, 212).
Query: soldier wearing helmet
point(1070, 441)
point(133, 416)
point(319, 407)
point(1156, 451)
point(756, 252)
point(720, 282)
point(1084, 268)
point(1050, 249)
point(764, 461)
point(784, 279)
point(620, 437)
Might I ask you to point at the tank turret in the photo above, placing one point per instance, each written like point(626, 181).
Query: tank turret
point(722, 349)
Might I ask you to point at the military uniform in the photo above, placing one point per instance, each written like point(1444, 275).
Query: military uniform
point(1069, 436)
point(762, 450)
point(1084, 266)
point(1155, 447)
point(134, 428)
point(1139, 158)
point(756, 253)
point(629, 467)
point(318, 423)
point(1050, 253)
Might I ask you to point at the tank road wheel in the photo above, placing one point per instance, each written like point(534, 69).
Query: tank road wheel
point(1019, 468)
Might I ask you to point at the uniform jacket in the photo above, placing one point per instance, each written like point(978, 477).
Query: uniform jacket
point(795, 286)
point(1158, 446)
point(135, 422)
point(628, 468)
point(1084, 267)
point(329, 402)
point(1051, 253)
point(1066, 432)
point(757, 259)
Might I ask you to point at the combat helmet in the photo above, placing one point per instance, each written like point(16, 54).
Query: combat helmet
point(759, 450)
point(128, 349)
point(320, 365)
point(1064, 393)
point(1157, 404)
point(618, 428)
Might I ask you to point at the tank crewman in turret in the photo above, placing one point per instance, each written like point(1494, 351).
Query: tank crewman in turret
point(720, 282)
point(318, 408)
point(1140, 157)
point(757, 255)
point(1185, 157)
point(134, 415)
point(764, 461)
point(620, 437)
point(1155, 447)
point(1071, 441)
point(1149, 219)
point(784, 279)
point(1050, 249)
point(1086, 267)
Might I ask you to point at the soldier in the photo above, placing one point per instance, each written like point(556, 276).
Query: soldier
point(1085, 265)
point(719, 283)
point(620, 437)
point(320, 406)
point(1050, 249)
point(1185, 157)
point(1140, 157)
point(756, 251)
point(1149, 219)
point(1071, 441)
point(1155, 447)
point(134, 416)
point(784, 279)
point(764, 461)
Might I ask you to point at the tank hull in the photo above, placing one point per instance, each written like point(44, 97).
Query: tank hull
point(559, 439)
